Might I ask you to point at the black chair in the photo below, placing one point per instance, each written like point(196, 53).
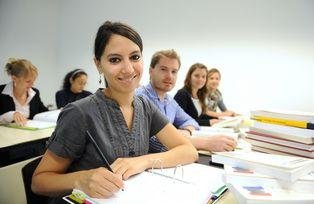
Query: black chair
point(27, 173)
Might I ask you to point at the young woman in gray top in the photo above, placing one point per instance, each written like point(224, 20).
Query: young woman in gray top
point(120, 123)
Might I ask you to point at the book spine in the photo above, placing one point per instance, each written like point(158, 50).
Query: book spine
point(280, 121)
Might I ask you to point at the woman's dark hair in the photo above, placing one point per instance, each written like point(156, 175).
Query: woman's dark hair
point(202, 92)
point(106, 30)
point(72, 75)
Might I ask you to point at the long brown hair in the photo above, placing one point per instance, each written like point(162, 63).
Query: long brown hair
point(202, 92)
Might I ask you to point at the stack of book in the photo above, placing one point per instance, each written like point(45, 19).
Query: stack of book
point(255, 177)
point(248, 186)
point(282, 132)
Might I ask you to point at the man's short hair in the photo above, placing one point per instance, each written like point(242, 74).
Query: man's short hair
point(164, 53)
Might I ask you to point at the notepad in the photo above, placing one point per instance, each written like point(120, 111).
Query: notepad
point(196, 186)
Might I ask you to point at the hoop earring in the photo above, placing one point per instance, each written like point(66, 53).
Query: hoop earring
point(99, 79)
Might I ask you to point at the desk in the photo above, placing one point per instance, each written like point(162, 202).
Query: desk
point(17, 145)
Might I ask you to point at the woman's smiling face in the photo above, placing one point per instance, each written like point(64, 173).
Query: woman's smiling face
point(122, 64)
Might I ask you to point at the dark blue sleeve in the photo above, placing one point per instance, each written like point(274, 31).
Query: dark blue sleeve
point(61, 99)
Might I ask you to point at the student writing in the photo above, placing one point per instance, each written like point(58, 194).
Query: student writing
point(120, 122)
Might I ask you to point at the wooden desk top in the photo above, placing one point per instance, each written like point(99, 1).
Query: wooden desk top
point(13, 136)
point(227, 198)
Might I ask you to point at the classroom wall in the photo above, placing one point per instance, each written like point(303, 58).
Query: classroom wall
point(264, 49)
point(28, 29)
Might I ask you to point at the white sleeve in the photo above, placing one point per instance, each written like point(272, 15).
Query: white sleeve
point(6, 117)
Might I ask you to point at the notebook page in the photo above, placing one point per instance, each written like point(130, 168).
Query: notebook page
point(48, 116)
point(206, 178)
point(153, 188)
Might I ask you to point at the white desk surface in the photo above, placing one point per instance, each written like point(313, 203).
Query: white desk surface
point(13, 136)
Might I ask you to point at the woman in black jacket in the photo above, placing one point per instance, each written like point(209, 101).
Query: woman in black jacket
point(73, 88)
point(19, 101)
point(192, 97)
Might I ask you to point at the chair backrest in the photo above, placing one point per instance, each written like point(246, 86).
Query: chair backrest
point(27, 173)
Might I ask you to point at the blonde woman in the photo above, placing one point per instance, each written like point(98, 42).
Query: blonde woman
point(19, 100)
point(215, 100)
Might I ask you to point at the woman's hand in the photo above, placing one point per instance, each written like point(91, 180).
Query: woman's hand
point(100, 183)
point(19, 118)
point(219, 143)
point(228, 113)
point(130, 166)
point(213, 121)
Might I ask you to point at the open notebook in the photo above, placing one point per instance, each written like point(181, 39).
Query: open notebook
point(193, 183)
point(42, 120)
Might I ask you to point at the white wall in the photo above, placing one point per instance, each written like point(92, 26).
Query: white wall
point(264, 49)
point(28, 29)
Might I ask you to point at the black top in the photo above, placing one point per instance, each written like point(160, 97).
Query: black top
point(7, 103)
point(184, 99)
point(63, 97)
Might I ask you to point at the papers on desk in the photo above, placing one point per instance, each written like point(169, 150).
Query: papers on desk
point(251, 187)
point(32, 125)
point(163, 186)
point(42, 120)
point(48, 116)
point(211, 131)
point(228, 121)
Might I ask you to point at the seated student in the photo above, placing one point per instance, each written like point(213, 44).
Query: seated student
point(20, 101)
point(120, 122)
point(192, 97)
point(163, 72)
point(73, 88)
point(214, 96)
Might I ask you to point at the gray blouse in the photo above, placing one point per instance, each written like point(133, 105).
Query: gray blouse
point(215, 100)
point(102, 117)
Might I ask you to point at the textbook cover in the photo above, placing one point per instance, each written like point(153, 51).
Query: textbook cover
point(286, 118)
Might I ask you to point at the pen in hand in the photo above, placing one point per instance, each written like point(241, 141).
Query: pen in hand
point(107, 165)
